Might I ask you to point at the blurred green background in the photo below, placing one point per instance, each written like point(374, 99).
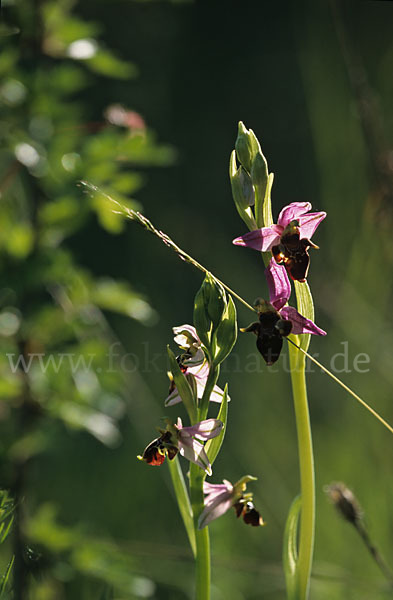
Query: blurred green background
point(143, 99)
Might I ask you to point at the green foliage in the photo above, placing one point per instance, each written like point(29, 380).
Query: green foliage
point(56, 342)
point(99, 559)
point(6, 577)
point(285, 69)
point(6, 514)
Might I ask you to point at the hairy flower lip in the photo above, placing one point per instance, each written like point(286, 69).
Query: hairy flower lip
point(276, 320)
point(185, 440)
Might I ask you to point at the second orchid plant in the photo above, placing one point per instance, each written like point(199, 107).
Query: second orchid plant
point(193, 381)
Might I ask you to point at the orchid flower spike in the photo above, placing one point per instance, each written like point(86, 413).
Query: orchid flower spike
point(185, 440)
point(192, 363)
point(219, 498)
point(275, 319)
point(289, 239)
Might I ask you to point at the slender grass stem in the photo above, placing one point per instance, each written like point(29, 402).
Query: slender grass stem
point(346, 388)
point(374, 552)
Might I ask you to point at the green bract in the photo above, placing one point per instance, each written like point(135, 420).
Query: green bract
point(226, 334)
point(215, 319)
point(242, 191)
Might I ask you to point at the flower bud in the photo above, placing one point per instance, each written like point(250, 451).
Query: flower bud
point(209, 307)
point(226, 333)
point(246, 146)
point(259, 172)
point(217, 302)
point(215, 319)
point(242, 192)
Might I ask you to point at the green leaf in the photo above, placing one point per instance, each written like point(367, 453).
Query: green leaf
point(305, 306)
point(267, 203)
point(20, 240)
point(259, 176)
point(213, 446)
point(290, 554)
point(119, 297)
point(226, 334)
point(70, 29)
point(183, 387)
point(202, 322)
point(216, 300)
point(143, 149)
point(183, 500)
point(5, 578)
point(105, 63)
point(5, 529)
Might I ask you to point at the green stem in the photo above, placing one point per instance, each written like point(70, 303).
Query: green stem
point(202, 560)
point(197, 477)
point(307, 480)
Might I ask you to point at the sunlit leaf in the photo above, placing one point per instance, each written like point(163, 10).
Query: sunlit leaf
point(118, 296)
point(105, 63)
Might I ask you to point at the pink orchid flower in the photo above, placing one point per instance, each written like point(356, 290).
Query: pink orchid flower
point(193, 363)
point(185, 440)
point(220, 497)
point(289, 239)
point(279, 294)
point(275, 319)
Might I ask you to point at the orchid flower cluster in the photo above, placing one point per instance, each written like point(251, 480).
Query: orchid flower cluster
point(193, 378)
point(289, 245)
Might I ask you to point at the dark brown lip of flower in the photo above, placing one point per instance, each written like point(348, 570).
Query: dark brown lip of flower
point(155, 453)
point(292, 252)
point(248, 512)
point(269, 330)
